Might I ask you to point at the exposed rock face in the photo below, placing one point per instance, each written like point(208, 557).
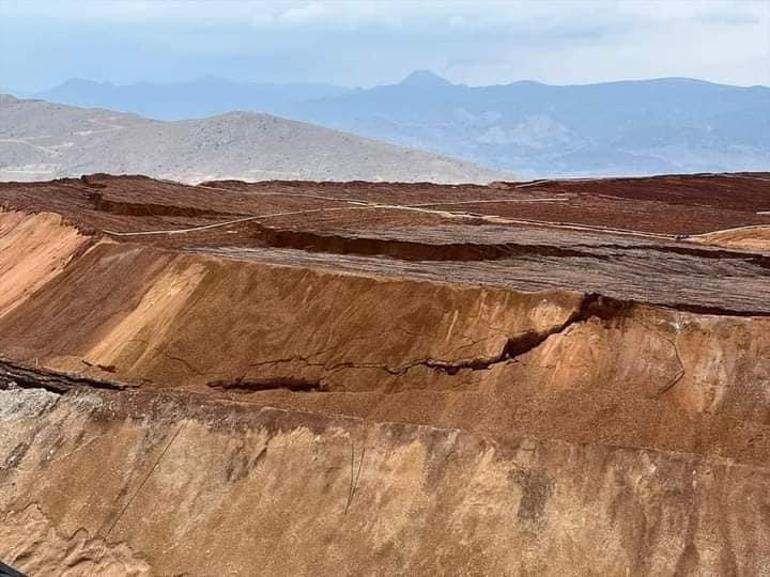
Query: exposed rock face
point(293, 385)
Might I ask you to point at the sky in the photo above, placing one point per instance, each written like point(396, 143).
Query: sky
point(370, 42)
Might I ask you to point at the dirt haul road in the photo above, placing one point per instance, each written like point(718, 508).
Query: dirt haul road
point(560, 378)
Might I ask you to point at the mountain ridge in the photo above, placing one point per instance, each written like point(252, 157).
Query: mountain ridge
point(40, 140)
point(623, 127)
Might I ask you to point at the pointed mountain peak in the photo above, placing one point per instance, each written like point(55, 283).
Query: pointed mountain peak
point(424, 78)
point(82, 83)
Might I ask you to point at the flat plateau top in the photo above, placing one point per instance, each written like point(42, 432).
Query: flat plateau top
point(696, 242)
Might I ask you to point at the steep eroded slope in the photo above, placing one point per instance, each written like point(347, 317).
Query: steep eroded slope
point(216, 399)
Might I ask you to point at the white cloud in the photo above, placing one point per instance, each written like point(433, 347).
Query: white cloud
point(375, 41)
point(459, 14)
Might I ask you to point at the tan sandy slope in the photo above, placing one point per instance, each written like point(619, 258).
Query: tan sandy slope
point(377, 390)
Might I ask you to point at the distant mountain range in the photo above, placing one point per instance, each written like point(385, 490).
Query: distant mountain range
point(40, 140)
point(533, 129)
point(196, 99)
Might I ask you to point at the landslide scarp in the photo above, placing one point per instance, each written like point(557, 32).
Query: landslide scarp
point(479, 358)
point(352, 379)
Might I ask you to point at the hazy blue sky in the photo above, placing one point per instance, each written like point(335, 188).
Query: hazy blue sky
point(365, 42)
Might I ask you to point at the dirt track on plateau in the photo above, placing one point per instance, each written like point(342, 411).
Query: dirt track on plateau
point(551, 378)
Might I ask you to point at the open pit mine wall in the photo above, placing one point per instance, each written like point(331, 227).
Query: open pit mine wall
point(656, 422)
point(138, 484)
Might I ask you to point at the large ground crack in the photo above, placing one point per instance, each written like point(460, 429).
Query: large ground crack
point(592, 305)
point(25, 376)
point(405, 249)
point(122, 208)
point(293, 384)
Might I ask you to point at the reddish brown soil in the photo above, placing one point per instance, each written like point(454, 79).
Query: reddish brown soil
point(619, 237)
point(546, 378)
point(668, 205)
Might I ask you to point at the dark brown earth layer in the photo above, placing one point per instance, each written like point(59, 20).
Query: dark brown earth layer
point(625, 238)
point(543, 378)
point(667, 205)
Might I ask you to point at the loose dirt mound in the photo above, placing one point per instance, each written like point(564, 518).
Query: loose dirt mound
point(372, 384)
point(755, 238)
point(33, 250)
